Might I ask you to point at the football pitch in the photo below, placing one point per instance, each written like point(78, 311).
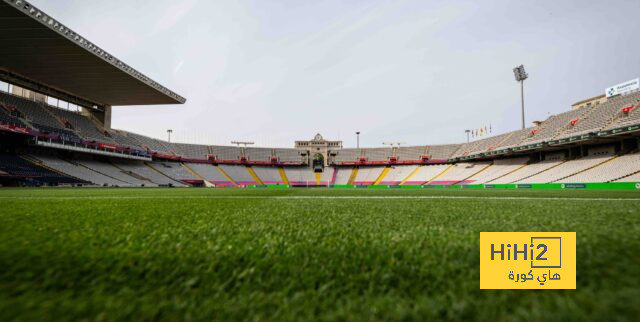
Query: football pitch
point(302, 254)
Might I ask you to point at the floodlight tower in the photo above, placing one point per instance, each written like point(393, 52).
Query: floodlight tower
point(169, 131)
point(521, 75)
point(467, 131)
point(358, 139)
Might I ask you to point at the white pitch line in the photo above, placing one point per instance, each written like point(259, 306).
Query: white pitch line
point(316, 197)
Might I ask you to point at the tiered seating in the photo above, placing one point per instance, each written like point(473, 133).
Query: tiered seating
point(498, 169)
point(566, 169)
point(626, 119)
point(377, 154)
point(151, 143)
point(63, 134)
point(210, 173)
point(515, 139)
point(425, 174)
point(482, 145)
point(109, 170)
point(83, 125)
point(601, 115)
point(442, 152)
point(288, 155)
point(343, 174)
point(268, 175)
point(78, 171)
point(616, 168)
point(555, 123)
point(460, 172)
point(368, 175)
point(141, 170)
point(238, 173)
point(631, 178)
point(531, 169)
point(347, 155)
point(258, 154)
point(17, 166)
point(226, 152)
point(411, 152)
point(122, 138)
point(195, 151)
point(7, 118)
point(397, 174)
point(173, 170)
point(300, 176)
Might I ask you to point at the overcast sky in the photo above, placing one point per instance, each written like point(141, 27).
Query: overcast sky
point(418, 72)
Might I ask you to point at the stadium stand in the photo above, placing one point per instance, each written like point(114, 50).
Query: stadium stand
point(268, 174)
point(411, 152)
point(614, 169)
point(145, 172)
point(78, 171)
point(211, 173)
point(368, 175)
point(342, 175)
point(424, 174)
point(398, 173)
point(82, 124)
point(347, 155)
point(238, 173)
point(258, 154)
point(288, 155)
point(442, 152)
point(499, 168)
point(173, 170)
point(531, 169)
point(195, 151)
point(460, 173)
point(226, 152)
point(602, 115)
point(33, 173)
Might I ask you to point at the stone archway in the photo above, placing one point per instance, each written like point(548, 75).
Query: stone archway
point(318, 162)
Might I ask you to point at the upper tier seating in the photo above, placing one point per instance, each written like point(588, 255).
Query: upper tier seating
point(258, 154)
point(347, 155)
point(151, 143)
point(377, 154)
point(288, 155)
point(35, 113)
point(442, 152)
point(82, 124)
point(556, 123)
point(226, 152)
point(411, 152)
point(601, 115)
point(7, 118)
point(195, 151)
point(482, 145)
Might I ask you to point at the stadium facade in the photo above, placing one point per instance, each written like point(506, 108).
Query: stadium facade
point(55, 129)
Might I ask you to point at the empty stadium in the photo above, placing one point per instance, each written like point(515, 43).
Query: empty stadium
point(103, 223)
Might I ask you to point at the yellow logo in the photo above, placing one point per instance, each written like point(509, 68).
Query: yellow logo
point(527, 260)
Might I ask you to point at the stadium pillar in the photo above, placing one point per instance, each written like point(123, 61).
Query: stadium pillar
point(106, 121)
point(522, 100)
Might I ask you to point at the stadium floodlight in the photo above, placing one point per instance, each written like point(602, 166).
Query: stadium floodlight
point(468, 132)
point(358, 139)
point(520, 75)
point(169, 131)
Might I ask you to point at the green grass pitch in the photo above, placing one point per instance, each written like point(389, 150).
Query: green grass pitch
point(301, 254)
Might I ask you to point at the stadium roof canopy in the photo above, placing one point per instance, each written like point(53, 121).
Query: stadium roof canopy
point(38, 50)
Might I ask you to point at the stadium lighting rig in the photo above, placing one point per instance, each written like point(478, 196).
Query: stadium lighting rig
point(468, 132)
point(245, 143)
point(521, 75)
point(358, 139)
point(169, 131)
